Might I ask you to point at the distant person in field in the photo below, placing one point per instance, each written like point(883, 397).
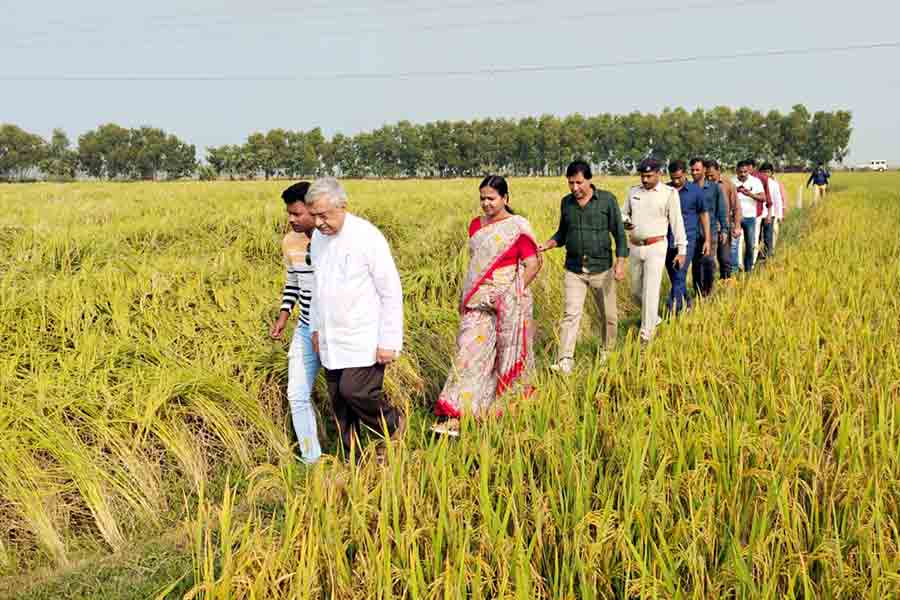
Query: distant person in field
point(356, 316)
point(776, 214)
point(495, 343)
point(752, 196)
point(696, 229)
point(704, 265)
point(589, 221)
point(819, 180)
point(651, 210)
point(303, 362)
point(727, 252)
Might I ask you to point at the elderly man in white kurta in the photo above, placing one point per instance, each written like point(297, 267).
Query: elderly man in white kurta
point(356, 316)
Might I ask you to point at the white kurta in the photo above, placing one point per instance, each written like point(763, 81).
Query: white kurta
point(357, 302)
point(777, 200)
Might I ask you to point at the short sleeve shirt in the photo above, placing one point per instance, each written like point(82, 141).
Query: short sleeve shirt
point(693, 204)
point(748, 204)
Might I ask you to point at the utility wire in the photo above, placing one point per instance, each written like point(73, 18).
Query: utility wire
point(588, 14)
point(486, 71)
point(433, 25)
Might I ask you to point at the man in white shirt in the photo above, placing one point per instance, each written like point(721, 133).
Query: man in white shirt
point(356, 316)
point(770, 226)
point(752, 198)
point(651, 209)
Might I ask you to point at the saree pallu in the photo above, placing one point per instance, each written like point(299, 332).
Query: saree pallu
point(496, 330)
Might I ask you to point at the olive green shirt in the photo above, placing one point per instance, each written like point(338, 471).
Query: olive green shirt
point(587, 231)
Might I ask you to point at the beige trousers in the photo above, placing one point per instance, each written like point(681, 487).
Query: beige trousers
point(819, 192)
point(647, 266)
point(603, 288)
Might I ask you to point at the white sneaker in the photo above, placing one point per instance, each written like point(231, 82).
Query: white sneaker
point(564, 366)
point(450, 428)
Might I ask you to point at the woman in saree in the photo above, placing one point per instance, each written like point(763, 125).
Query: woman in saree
point(495, 353)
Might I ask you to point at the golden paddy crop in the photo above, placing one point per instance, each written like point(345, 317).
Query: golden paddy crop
point(754, 451)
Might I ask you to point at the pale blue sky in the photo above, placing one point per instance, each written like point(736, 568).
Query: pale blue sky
point(307, 44)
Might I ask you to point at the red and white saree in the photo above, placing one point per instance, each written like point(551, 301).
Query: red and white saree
point(496, 331)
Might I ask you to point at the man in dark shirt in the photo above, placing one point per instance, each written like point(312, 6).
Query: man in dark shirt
point(703, 268)
point(588, 219)
point(729, 250)
point(819, 178)
point(696, 225)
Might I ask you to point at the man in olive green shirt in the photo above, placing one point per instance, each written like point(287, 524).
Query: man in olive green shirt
point(588, 219)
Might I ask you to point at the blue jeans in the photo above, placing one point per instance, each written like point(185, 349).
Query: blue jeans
point(303, 366)
point(678, 298)
point(735, 265)
point(768, 236)
point(748, 225)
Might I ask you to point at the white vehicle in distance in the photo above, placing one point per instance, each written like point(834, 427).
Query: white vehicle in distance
point(878, 165)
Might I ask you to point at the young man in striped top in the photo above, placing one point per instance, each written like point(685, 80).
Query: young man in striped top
point(303, 361)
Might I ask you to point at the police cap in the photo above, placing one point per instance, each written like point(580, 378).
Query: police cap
point(648, 165)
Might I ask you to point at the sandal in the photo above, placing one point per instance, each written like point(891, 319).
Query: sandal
point(450, 427)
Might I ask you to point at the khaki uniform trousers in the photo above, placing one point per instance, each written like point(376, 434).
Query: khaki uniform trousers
point(819, 192)
point(647, 266)
point(603, 289)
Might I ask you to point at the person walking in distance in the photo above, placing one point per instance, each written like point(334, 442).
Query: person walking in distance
point(303, 361)
point(589, 222)
point(728, 252)
point(750, 195)
point(819, 179)
point(356, 317)
point(703, 267)
point(651, 209)
point(696, 227)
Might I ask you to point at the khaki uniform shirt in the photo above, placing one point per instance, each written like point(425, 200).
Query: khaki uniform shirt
point(653, 212)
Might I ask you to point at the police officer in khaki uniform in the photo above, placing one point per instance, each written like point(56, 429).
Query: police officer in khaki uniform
point(650, 210)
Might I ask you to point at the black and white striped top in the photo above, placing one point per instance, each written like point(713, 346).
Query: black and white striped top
point(298, 284)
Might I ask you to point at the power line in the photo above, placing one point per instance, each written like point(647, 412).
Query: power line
point(169, 24)
point(576, 16)
point(489, 71)
point(588, 14)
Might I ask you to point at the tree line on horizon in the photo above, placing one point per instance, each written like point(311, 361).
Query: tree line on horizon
point(108, 152)
point(530, 146)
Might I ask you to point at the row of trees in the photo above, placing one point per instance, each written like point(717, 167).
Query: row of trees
point(528, 146)
point(541, 146)
point(110, 152)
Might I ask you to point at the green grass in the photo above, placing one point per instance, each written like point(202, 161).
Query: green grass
point(142, 572)
point(752, 452)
